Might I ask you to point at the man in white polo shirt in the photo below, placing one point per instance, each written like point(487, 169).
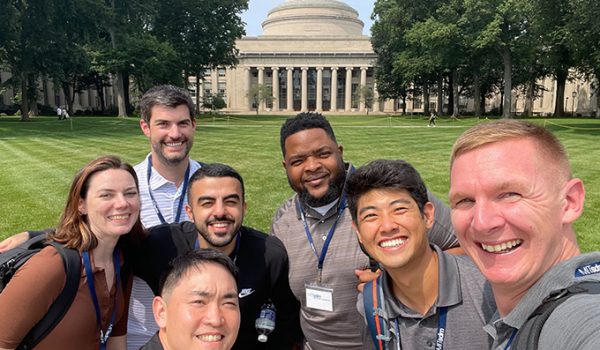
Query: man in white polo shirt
point(167, 120)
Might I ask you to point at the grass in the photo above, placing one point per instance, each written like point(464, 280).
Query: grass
point(39, 158)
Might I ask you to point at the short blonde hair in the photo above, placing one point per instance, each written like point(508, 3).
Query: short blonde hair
point(504, 129)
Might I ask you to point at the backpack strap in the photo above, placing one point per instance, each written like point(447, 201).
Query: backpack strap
point(375, 313)
point(528, 336)
point(58, 309)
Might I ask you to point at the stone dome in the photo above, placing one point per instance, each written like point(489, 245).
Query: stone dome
point(330, 18)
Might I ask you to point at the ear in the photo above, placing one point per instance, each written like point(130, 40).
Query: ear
point(429, 214)
point(574, 198)
point(145, 127)
point(244, 207)
point(159, 308)
point(341, 149)
point(82, 207)
point(189, 211)
point(283, 164)
point(356, 231)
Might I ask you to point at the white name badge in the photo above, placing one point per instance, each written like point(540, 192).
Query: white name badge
point(319, 297)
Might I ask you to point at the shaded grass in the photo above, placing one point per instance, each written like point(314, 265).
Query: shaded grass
point(39, 158)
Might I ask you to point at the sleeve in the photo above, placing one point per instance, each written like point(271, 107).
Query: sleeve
point(29, 295)
point(574, 325)
point(442, 233)
point(287, 330)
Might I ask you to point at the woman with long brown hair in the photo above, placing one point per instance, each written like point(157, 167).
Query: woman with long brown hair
point(101, 215)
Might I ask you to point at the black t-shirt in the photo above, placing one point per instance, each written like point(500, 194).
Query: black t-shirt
point(263, 274)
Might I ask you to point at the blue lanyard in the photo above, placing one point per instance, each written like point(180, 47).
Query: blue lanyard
point(183, 190)
point(104, 335)
point(510, 340)
point(440, 335)
point(235, 252)
point(321, 257)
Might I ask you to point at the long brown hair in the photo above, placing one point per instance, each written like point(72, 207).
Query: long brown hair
point(73, 228)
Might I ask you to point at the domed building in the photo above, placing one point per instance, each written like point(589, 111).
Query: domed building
point(311, 53)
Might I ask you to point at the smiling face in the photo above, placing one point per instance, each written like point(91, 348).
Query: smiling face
point(201, 312)
point(112, 203)
point(314, 166)
point(512, 208)
point(392, 228)
point(171, 133)
point(217, 209)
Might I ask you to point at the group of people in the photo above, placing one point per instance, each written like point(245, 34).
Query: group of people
point(62, 113)
point(174, 267)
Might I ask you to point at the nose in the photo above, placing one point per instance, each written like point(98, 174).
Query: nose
point(312, 164)
point(121, 201)
point(213, 315)
point(174, 132)
point(486, 217)
point(387, 223)
point(218, 209)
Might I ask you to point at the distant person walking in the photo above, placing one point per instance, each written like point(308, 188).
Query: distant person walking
point(432, 120)
point(59, 112)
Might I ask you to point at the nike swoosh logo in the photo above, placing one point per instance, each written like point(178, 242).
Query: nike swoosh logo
point(245, 292)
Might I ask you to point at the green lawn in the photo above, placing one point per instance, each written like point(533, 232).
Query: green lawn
point(39, 158)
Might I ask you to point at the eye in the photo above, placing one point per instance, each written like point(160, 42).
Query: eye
point(368, 217)
point(462, 203)
point(296, 162)
point(324, 154)
point(510, 195)
point(131, 193)
point(400, 210)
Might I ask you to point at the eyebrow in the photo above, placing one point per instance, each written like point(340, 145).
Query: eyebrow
point(211, 198)
point(372, 207)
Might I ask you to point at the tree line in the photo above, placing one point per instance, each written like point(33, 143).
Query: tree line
point(478, 48)
point(78, 44)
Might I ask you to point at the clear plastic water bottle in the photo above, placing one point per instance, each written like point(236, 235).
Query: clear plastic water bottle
point(265, 322)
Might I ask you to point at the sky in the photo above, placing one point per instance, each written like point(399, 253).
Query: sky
point(258, 9)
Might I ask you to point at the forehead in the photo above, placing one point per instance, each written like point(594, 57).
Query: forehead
point(109, 178)
point(307, 139)
point(383, 197)
point(180, 112)
point(209, 185)
point(209, 277)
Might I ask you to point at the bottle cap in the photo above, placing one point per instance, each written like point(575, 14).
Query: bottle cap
point(262, 338)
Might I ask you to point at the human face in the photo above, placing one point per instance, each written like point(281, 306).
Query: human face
point(392, 228)
point(112, 203)
point(314, 166)
point(511, 206)
point(217, 208)
point(171, 133)
point(201, 312)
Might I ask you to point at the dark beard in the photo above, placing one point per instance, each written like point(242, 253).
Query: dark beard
point(333, 192)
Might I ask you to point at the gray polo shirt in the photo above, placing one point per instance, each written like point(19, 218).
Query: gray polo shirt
point(462, 290)
point(344, 327)
point(575, 324)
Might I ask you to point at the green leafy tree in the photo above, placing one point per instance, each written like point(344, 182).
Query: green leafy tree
point(260, 94)
point(366, 96)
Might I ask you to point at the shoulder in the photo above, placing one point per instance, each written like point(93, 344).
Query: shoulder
point(272, 244)
point(575, 324)
point(288, 206)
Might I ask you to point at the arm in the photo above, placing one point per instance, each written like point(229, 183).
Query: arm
point(13, 241)
point(45, 271)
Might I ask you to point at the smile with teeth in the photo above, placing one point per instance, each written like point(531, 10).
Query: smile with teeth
point(119, 217)
point(174, 144)
point(210, 337)
point(392, 243)
point(503, 247)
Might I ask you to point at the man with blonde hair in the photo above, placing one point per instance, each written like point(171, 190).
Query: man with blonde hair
point(514, 201)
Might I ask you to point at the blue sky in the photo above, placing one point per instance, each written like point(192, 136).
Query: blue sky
point(258, 9)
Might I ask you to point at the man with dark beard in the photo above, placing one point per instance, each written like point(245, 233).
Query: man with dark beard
point(216, 205)
point(316, 228)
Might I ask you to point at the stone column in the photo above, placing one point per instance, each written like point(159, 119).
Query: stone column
point(363, 82)
point(261, 82)
point(290, 89)
point(319, 89)
point(275, 89)
point(334, 88)
point(348, 96)
point(214, 79)
point(304, 107)
point(248, 87)
point(375, 98)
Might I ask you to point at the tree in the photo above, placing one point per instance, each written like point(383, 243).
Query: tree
point(260, 93)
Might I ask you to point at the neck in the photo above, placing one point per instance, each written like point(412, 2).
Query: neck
point(172, 172)
point(416, 286)
point(103, 253)
point(227, 249)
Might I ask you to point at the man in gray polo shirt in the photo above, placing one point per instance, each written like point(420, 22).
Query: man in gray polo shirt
point(427, 293)
point(514, 201)
point(316, 229)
